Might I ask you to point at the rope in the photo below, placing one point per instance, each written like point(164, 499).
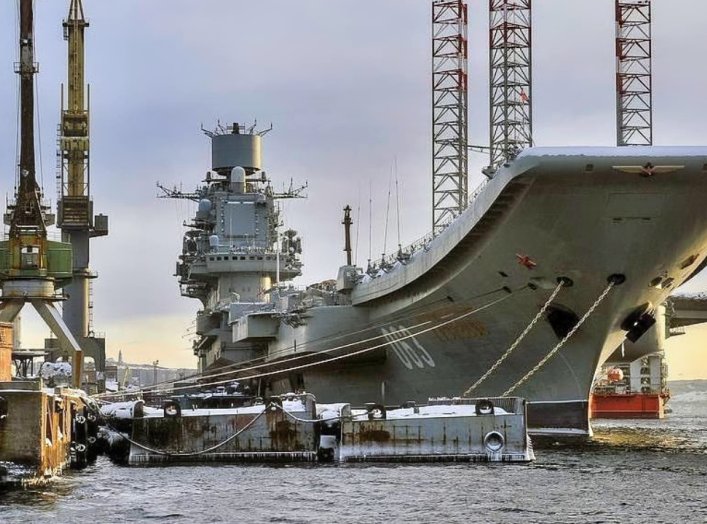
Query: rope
point(192, 453)
point(332, 359)
point(517, 342)
point(234, 368)
point(562, 342)
point(354, 353)
point(303, 420)
point(268, 364)
point(312, 421)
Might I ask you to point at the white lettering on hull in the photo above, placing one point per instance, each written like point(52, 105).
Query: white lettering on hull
point(407, 348)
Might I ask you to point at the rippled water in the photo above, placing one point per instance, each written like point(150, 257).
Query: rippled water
point(633, 471)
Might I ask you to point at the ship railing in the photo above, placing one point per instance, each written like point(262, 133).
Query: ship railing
point(387, 262)
point(508, 404)
point(233, 249)
point(52, 235)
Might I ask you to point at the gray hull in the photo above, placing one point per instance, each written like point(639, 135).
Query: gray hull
point(583, 214)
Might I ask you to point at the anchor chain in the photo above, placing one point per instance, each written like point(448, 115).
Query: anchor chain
point(515, 344)
point(612, 282)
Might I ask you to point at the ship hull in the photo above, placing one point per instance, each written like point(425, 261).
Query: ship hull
point(434, 325)
point(628, 406)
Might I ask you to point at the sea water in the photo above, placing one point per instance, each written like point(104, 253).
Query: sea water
point(643, 471)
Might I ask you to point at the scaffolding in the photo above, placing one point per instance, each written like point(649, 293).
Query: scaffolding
point(449, 111)
point(511, 122)
point(634, 99)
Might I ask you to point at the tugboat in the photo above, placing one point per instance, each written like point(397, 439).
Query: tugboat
point(637, 389)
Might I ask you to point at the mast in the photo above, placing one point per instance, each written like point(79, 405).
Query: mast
point(347, 233)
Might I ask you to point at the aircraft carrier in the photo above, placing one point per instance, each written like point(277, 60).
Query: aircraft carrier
point(558, 257)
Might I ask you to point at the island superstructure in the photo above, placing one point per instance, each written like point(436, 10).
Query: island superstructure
point(235, 258)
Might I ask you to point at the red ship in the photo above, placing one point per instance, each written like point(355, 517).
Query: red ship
point(631, 390)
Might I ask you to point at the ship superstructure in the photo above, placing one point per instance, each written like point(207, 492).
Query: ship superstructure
point(235, 257)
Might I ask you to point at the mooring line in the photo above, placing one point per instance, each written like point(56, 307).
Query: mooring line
point(517, 342)
point(191, 453)
point(562, 342)
point(328, 360)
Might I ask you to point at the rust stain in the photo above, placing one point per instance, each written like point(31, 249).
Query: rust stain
point(462, 329)
point(374, 435)
point(283, 435)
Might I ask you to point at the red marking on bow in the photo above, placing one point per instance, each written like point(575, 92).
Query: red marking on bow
point(526, 261)
point(648, 170)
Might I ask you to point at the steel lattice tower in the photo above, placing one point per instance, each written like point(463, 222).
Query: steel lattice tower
point(510, 76)
point(634, 99)
point(449, 111)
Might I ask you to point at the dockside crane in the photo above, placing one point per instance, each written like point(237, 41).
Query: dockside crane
point(32, 268)
point(75, 206)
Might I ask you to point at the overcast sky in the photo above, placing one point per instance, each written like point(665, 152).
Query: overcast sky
point(346, 84)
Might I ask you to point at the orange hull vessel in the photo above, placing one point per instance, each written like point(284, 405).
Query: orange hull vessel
point(628, 405)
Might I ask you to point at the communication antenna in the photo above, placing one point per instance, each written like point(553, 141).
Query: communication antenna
point(387, 213)
point(510, 75)
point(449, 111)
point(397, 202)
point(634, 79)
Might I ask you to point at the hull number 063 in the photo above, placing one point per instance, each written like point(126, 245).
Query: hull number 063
point(406, 347)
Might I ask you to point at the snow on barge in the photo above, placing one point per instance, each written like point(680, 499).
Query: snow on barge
point(294, 428)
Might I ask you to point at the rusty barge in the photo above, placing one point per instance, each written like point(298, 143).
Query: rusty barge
point(294, 428)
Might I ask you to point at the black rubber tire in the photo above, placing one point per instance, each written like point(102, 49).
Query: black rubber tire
point(484, 407)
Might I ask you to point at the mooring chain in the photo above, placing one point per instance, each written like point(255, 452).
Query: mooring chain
point(515, 344)
point(599, 300)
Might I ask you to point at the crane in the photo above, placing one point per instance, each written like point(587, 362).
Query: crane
point(33, 268)
point(75, 206)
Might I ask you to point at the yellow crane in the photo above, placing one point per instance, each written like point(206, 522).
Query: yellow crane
point(75, 206)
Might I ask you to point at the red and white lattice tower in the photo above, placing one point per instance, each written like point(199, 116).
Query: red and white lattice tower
point(449, 111)
point(510, 56)
point(634, 99)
